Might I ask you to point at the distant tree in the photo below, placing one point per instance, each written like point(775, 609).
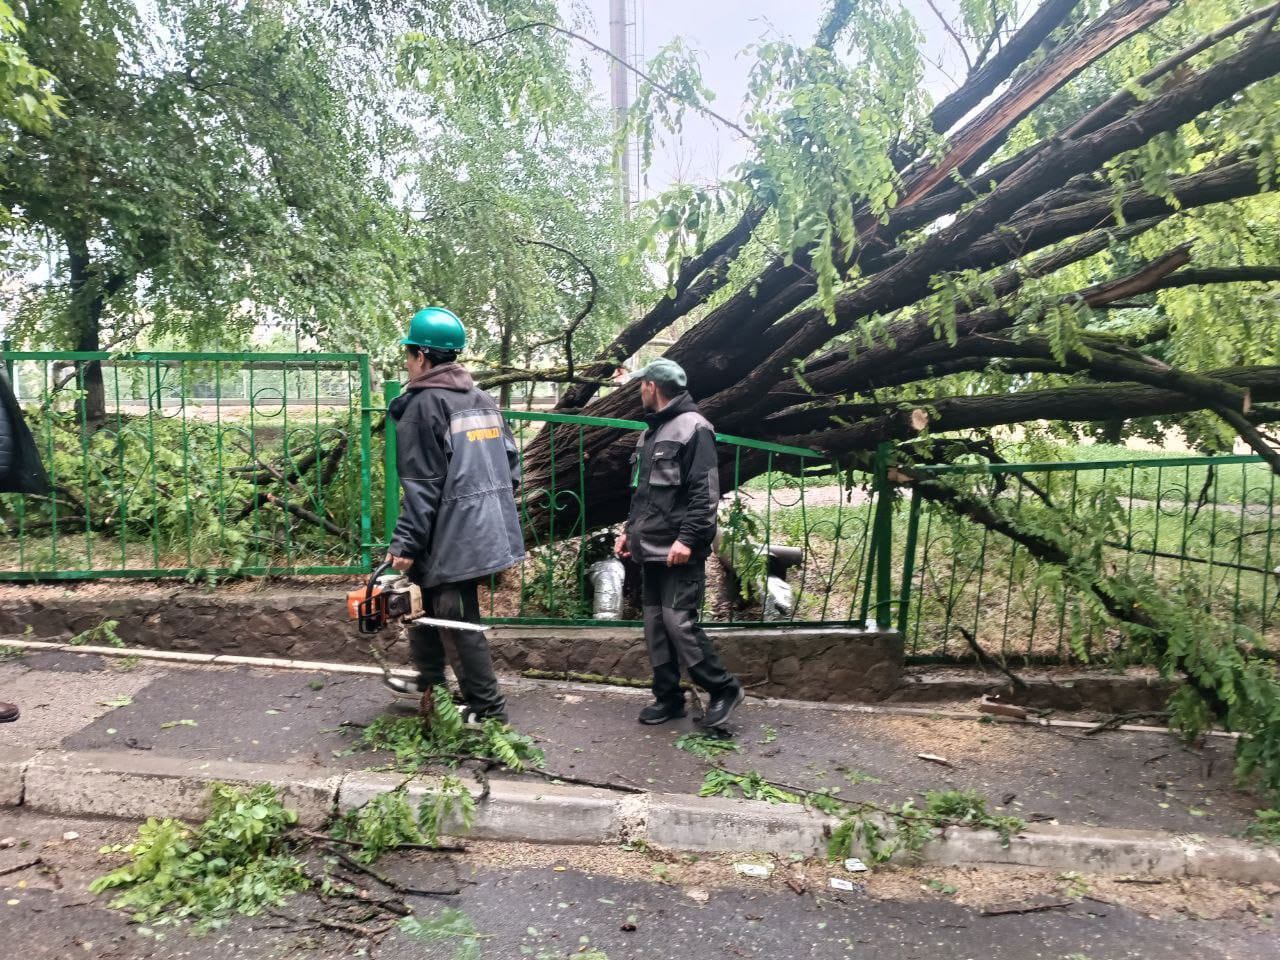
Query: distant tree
point(518, 204)
point(210, 170)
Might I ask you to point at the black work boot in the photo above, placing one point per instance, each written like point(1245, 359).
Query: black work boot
point(722, 705)
point(661, 712)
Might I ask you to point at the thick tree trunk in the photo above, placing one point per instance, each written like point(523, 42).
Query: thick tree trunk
point(88, 301)
point(504, 361)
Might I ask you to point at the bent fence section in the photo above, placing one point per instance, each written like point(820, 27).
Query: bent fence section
point(835, 578)
point(1202, 527)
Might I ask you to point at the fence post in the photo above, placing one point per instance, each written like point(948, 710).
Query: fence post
point(909, 562)
point(882, 536)
point(366, 447)
point(390, 473)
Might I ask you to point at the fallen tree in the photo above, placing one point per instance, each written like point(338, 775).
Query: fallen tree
point(953, 282)
point(1082, 231)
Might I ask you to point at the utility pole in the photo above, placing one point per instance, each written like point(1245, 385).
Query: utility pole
point(620, 85)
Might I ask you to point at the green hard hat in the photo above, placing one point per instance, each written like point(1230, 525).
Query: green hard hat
point(436, 327)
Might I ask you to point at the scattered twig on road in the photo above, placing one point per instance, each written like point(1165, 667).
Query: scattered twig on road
point(1122, 718)
point(390, 884)
point(5, 871)
point(392, 906)
point(1018, 908)
point(429, 848)
point(362, 931)
point(488, 763)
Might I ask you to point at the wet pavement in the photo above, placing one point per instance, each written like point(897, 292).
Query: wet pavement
point(615, 907)
point(1123, 779)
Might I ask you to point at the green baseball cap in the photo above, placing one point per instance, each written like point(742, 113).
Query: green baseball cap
point(665, 373)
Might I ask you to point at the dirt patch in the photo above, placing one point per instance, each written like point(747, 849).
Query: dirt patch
point(956, 740)
point(1172, 898)
point(977, 888)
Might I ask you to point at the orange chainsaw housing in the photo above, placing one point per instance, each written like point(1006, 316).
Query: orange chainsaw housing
point(378, 602)
point(356, 600)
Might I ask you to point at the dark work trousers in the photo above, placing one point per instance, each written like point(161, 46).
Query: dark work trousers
point(672, 599)
point(457, 601)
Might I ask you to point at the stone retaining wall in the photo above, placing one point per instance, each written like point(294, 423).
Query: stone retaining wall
point(838, 665)
point(311, 624)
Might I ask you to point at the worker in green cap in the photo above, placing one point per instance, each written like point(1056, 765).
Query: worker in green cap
point(459, 524)
point(669, 533)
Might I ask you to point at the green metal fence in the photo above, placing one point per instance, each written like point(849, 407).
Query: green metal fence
point(801, 499)
point(223, 464)
point(1205, 525)
point(189, 464)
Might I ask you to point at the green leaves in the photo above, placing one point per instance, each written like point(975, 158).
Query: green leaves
point(237, 861)
point(824, 130)
point(27, 96)
point(1265, 827)
point(705, 747)
point(749, 786)
point(379, 825)
point(444, 739)
point(226, 166)
point(879, 834)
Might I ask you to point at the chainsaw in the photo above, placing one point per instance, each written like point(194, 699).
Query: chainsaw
point(391, 597)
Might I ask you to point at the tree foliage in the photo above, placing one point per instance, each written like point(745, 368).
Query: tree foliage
point(515, 194)
point(1082, 230)
point(209, 172)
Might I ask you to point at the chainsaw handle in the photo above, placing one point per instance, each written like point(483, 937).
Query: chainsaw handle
point(378, 571)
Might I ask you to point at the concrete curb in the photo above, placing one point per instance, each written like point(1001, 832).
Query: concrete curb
point(135, 786)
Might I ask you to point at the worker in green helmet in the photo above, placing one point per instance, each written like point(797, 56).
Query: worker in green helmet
point(459, 524)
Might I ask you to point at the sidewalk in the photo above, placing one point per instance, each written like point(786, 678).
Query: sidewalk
point(82, 711)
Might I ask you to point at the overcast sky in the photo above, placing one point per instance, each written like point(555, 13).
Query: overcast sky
point(720, 30)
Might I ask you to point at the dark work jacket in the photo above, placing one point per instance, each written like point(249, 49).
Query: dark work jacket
point(458, 466)
point(677, 485)
point(20, 468)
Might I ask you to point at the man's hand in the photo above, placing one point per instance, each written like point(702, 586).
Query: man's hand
point(399, 564)
point(678, 555)
point(620, 546)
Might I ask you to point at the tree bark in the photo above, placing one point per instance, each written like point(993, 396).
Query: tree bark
point(88, 301)
point(504, 360)
point(1073, 404)
point(743, 357)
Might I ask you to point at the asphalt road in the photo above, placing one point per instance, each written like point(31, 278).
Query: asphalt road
point(558, 903)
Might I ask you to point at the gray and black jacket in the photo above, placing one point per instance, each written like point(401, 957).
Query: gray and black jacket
point(458, 466)
point(677, 485)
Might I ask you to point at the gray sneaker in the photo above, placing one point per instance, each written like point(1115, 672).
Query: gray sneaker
point(403, 688)
point(723, 704)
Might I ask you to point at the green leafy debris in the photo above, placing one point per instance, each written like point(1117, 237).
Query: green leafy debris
point(238, 861)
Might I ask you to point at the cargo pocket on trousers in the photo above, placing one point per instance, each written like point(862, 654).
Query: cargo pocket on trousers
point(687, 594)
